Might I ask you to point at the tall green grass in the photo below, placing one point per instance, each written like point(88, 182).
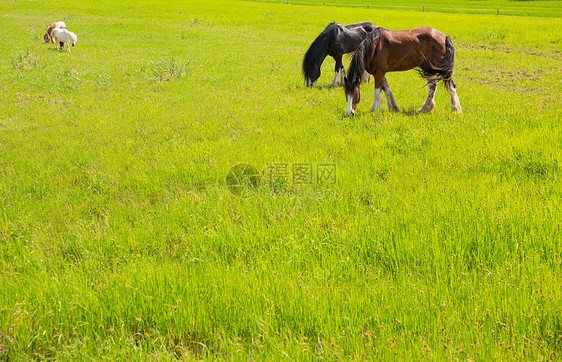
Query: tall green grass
point(119, 237)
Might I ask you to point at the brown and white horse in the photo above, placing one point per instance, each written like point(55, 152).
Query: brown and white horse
point(48, 34)
point(383, 51)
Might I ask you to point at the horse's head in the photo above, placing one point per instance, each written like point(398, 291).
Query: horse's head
point(311, 76)
point(352, 94)
point(47, 38)
point(309, 83)
point(310, 69)
point(73, 39)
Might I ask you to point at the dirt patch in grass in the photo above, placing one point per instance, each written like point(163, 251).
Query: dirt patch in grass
point(507, 49)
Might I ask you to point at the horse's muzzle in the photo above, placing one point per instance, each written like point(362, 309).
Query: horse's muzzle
point(351, 114)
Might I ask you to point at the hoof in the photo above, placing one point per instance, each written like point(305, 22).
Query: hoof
point(425, 110)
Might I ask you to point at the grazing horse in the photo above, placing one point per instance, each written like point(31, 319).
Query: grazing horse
point(336, 40)
point(48, 34)
point(426, 49)
point(64, 36)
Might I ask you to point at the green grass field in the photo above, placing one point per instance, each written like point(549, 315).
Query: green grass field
point(533, 8)
point(119, 238)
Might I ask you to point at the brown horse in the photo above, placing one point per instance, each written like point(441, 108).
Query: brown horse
point(48, 34)
point(383, 51)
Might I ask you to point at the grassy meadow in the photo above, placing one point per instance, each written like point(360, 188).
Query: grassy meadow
point(533, 8)
point(119, 238)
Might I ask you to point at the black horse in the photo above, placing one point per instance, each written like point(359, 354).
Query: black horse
point(336, 40)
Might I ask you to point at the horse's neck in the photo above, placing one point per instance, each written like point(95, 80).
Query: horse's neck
point(320, 58)
point(319, 55)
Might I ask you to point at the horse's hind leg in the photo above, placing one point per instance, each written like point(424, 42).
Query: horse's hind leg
point(340, 72)
point(455, 103)
point(429, 104)
point(390, 102)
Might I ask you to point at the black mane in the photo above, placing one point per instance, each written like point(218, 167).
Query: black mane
point(318, 50)
point(335, 40)
point(360, 59)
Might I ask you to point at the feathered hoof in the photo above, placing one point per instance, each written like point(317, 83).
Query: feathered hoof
point(426, 109)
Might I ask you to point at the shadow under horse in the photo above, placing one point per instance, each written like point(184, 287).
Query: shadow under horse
point(425, 49)
point(335, 40)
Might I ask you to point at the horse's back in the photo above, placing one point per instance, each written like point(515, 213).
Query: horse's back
point(430, 34)
point(419, 37)
point(61, 33)
point(406, 49)
point(365, 25)
point(350, 36)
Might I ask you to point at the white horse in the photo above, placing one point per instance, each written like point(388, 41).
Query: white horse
point(64, 36)
point(48, 34)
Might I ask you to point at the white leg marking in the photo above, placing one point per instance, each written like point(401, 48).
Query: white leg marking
point(429, 104)
point(338, 78)
point(366, 77)
point(455, 103)
point(350, 111)
point(377, 100)
point(390, 102)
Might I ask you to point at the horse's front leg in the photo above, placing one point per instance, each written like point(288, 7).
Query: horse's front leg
point(390, 102)
point(340, 72)
point(429, 104)
point(377, 99)
point(378, 92)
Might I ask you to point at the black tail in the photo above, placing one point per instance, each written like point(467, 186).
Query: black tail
point(442, 70)
point(360, 59)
